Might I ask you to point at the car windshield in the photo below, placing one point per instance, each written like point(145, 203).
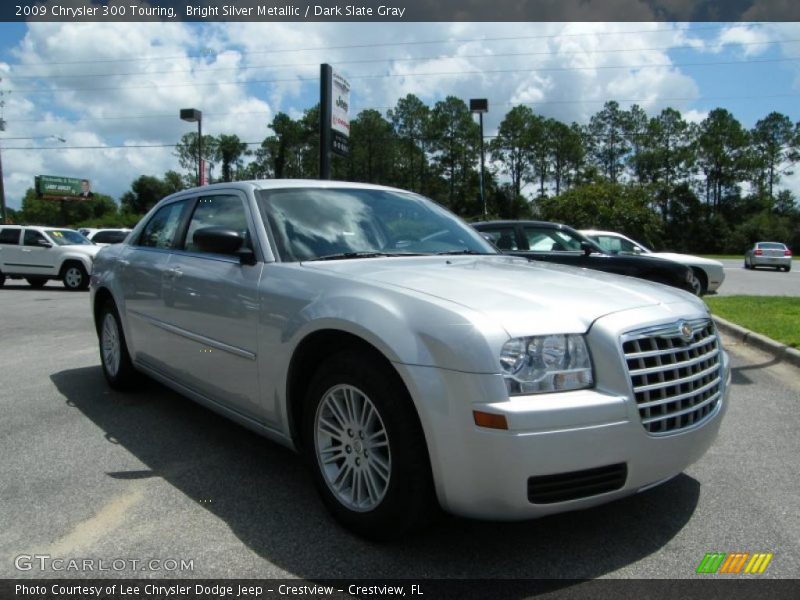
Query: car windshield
point(771, 246)
point(314, 223)
point(67, 237)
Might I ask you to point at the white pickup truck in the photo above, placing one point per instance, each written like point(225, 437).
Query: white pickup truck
point(38, 254)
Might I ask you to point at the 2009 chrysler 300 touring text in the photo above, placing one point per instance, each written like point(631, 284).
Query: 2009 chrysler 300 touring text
point(389, 342)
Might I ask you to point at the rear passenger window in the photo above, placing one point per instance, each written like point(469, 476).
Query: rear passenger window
point(162, 226)
point(9, 236)
point(227, 212)
point(505, 237)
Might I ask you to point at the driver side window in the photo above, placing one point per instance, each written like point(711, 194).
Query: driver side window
point(226, 212)
point(32, 238)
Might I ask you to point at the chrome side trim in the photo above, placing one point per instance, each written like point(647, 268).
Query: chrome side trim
point(200, 339)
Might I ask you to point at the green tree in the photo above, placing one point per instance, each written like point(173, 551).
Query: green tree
point(411, 122)
point(372, 149)
point(512, 146)
point(722, 146)
point(607, 142)
point(229, 152)
point(145, 192)
point(605, 205)
point(776, 144)
point(566, 153)
point(186, 151)
point(454, 139)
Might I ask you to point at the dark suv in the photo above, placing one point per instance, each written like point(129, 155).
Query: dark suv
point(553, 242)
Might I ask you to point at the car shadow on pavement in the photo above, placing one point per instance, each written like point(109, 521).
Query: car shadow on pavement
point(739, 377)
point(263, 492)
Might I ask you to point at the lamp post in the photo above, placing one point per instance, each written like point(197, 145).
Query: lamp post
point(191, 115)
point(2, 189)
point(480, 106)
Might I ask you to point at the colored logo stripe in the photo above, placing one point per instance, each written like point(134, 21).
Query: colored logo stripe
point(733, 563)
point(711, 562)
point(759, 562)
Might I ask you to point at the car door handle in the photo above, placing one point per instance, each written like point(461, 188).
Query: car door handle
point(26, 249)
point(124, 263)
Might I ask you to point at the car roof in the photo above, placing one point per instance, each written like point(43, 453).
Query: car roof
point(600, 232)
point(270, 184)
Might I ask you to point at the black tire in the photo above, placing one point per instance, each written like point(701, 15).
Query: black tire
point(2, 280)
point(789, 268)
point(407, 501)
point(125, 376)
point(75, 277)
point(699, 282)
point(746, 266)
point(36, 282)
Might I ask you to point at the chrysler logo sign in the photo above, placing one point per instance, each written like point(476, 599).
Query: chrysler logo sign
point(686, 331)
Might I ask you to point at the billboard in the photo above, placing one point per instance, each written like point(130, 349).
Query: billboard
point(53, 187)
point(340, 114)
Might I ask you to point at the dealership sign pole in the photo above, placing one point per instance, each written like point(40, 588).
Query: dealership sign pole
point(334, 117)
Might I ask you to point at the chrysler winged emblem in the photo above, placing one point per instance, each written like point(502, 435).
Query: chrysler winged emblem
point(686, 331)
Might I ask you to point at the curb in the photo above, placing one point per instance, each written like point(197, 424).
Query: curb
point(751, 338)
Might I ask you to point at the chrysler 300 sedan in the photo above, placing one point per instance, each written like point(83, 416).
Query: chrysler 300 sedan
point(412, 364)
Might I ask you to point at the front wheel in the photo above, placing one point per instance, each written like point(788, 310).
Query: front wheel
point(75, 277)
point(698, 283)
point(366, 449)
point(114, 357)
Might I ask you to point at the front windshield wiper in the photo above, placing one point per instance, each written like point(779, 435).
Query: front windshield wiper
point(464, 251)
point(347, 255)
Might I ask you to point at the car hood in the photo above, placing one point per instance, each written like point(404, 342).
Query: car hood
point(686, 259)
point(519, 295)
point(83, 249)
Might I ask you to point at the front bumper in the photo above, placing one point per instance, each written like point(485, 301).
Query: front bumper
point(484, 473)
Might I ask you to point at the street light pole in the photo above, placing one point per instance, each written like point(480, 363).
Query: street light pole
point(191, 115)
point(480, 106)
point(2, 189)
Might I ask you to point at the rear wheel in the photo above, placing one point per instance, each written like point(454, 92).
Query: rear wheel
point(2, 280)
point(365, 446)
point(75, 277)
point(117, 366)
point(36, 282)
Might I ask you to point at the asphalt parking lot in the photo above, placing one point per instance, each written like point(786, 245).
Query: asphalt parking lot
point(759, 282)
point(91, 473)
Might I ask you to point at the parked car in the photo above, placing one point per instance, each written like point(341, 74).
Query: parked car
point(708, 274)
point(553, 242)
point(38, 254)
point(411, 363)
point(768, 254)
point(104, 237)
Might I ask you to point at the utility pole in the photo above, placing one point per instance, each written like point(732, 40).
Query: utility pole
point(2, 188)
point(325, 110)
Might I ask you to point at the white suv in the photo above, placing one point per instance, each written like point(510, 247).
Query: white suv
point(41, 253)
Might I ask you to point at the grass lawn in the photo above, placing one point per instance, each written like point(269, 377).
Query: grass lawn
point(777, 317)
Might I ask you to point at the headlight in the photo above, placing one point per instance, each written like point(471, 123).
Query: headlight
point(548, 363)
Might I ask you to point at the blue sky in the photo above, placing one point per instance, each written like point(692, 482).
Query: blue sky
point(103, 85)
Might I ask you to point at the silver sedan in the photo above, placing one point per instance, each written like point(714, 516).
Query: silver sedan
point(769, 254)
point(412, 364)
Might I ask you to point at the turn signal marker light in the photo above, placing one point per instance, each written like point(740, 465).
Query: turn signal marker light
point(489, 420)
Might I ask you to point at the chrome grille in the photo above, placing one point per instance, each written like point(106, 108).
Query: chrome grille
point(676, 374)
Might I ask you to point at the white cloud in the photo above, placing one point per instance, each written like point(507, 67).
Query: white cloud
point(241, 74)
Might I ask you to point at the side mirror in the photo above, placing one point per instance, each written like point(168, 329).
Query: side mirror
point(637, 250)
point(220, 240)
point(490, 237)
point(587, 248)
point(44, 243)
